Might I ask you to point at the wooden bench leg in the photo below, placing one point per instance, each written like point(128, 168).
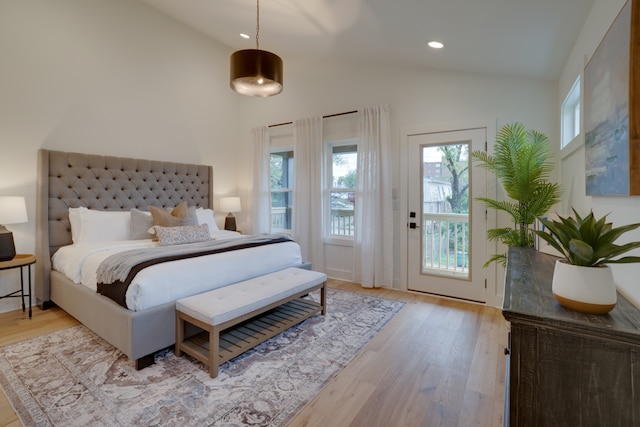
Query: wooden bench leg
point(214, 351)
point(179, 333)
point(323, 298)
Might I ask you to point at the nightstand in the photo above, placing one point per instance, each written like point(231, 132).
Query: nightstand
point(20, 261)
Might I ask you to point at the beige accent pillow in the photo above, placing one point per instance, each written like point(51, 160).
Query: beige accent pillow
point(179, 216)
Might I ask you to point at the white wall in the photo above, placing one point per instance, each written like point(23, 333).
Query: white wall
point(108, 77)
point(116, 77)
point(418, 99)
point(623, 210)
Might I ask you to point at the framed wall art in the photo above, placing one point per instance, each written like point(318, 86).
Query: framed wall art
point(611, 101)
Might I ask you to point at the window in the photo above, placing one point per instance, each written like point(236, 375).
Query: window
point(281, 171)
point(341, 171)
point(571, 115)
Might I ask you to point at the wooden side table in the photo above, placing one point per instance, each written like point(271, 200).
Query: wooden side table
point(20, 261)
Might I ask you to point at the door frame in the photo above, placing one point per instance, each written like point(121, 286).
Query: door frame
point(495, 287)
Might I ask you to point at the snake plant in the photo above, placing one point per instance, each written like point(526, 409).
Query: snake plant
point(588, 241)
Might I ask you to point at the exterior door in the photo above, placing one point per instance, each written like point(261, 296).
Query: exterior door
point(446, 226)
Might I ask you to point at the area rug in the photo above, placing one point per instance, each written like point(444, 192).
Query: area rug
point(74, 378)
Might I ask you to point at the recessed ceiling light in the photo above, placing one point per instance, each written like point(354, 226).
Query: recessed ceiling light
point(436, 45)
point(245, 36)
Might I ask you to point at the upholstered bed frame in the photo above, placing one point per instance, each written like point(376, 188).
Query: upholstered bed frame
point(109, 183)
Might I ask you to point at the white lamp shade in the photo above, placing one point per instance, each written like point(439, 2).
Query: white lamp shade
point(230, 204)
point(13, 210)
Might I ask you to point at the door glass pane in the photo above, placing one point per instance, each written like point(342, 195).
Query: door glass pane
point(445, 209)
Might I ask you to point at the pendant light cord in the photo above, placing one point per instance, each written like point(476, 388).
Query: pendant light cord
point(257, 24)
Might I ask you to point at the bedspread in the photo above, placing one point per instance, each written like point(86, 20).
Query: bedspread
point(169, 281)
point(116, 272)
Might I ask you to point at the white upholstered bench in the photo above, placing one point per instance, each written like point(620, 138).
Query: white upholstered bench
point(240, 316)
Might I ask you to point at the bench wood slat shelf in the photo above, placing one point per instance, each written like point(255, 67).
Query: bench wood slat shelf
point(231, 346)
point(232, 337)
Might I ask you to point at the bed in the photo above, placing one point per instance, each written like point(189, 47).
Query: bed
point(106, 183)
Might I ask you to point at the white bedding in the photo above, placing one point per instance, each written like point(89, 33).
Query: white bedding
point(166, 282)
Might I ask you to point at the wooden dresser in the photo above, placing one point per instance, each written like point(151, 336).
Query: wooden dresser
point(565, 368)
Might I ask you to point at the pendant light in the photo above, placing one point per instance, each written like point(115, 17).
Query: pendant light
point(256, 72)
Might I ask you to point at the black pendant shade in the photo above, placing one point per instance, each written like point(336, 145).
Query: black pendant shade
point(256, 72)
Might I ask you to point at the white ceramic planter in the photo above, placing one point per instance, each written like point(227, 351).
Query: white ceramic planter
point(585, 289)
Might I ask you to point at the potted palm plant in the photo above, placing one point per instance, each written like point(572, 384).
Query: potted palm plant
point(522, 163)
point(583, 280)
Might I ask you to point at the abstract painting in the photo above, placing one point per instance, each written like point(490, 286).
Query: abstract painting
point(606, 112)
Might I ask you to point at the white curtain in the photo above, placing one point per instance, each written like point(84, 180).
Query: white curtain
point(307, 191)
point(373, 240)
point(261, 194)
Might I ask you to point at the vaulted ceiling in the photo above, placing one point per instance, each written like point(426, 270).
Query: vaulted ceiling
point(530, 38)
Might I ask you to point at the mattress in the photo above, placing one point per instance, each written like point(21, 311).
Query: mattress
point(167, 282)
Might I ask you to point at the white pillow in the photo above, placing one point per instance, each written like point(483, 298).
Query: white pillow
point(205, 216)
point(141, 222)
point(74, 218)
point(104, 226)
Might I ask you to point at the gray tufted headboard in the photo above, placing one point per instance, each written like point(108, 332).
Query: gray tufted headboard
point(106, 183)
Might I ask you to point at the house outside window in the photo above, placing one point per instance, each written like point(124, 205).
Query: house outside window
point(281, 172)
point(341, 171)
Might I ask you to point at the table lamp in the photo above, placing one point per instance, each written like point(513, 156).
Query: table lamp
point(230, 205)
point(13, 210)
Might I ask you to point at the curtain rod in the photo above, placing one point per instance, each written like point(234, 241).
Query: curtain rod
point(324, 117)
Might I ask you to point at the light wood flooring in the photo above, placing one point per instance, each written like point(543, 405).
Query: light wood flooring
point(438, 362)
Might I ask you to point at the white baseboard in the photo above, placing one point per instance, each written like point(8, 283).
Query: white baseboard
point(335, 273)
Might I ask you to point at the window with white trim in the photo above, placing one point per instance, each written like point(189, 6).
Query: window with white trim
point(570, 120)
point(341, 167)
point(281, 171)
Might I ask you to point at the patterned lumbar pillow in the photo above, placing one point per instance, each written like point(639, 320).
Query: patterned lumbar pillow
point(168, 236)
